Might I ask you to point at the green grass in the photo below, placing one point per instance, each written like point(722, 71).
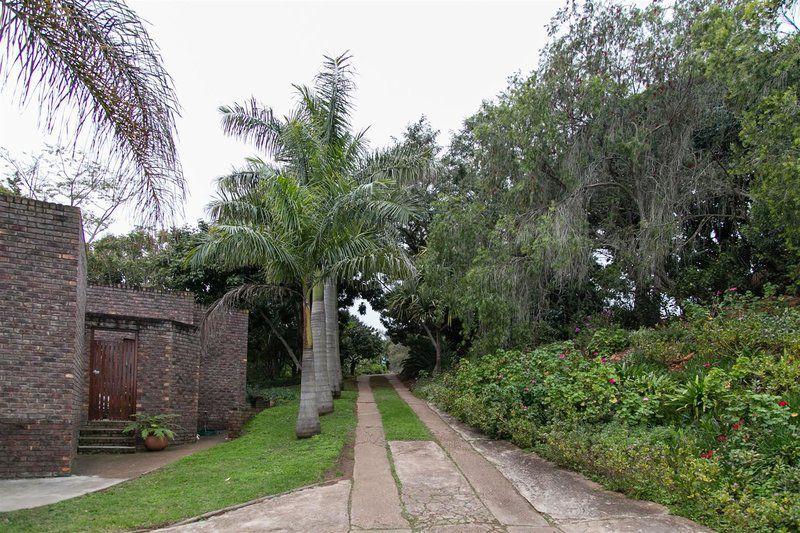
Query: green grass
point(399, 421)
point(267, 459)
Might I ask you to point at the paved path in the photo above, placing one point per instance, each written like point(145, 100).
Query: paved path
point(375, 502)
point(461, 482)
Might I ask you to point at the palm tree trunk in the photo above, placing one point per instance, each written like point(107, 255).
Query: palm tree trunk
point(308, 417)
point(332, 331)
point(320, 339)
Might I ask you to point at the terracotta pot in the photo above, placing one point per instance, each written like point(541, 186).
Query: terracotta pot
point(154, 444)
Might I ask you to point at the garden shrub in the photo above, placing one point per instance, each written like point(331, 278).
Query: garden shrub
point(700, 414)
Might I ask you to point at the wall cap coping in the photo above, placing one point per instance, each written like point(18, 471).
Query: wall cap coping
point(93, 317)
point(22, 200)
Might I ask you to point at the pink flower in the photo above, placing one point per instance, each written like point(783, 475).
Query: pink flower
point(603, 359)
point(524, 407)
point(594, 353)
point(562, 356)
point(706, 365)
point(577, 330)
point(612, 381)
point(732, 289)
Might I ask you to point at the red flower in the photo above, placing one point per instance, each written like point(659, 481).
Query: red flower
point(737, 425)
point(602, 359)
point(706, 365)
point(783, 404)
point(612, 381)
point(707, 455)
point(722, 438)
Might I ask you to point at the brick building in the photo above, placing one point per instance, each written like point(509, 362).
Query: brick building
point(72, 353)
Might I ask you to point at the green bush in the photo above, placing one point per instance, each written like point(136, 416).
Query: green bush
point(701, 413)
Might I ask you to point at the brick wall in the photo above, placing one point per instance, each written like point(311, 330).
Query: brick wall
point(141, 303)
point(42, 268)
point(223, 368)
point(47, 315)
point(195, 368)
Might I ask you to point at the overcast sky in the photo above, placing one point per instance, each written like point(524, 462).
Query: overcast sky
point(434, 58)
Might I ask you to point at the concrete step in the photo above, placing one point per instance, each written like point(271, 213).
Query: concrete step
point(110, 424)
point(101, 440)
point(106, 449)
point(101, 431)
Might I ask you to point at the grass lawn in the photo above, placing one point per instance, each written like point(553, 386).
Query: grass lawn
point(399, 421)
point(267, 459)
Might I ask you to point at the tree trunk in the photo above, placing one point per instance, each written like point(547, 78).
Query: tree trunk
point(308, 416)
point(437, 348)
point(332, 331)
point(320, 340)
point(281, 339)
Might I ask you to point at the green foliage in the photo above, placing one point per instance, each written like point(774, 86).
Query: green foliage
point(361, 348)
point(266, 459)
point(160, 426)
point(650, 158)
point(277, 395)
point(700, 414)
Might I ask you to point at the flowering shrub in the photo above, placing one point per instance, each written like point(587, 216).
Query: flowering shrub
point(701, 414)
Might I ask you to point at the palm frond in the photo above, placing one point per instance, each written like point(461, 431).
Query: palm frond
point(94, 60)
point(334, 86)
point(253, 123)
point(242, 245)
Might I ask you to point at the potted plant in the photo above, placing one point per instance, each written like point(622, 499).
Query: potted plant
point(156, 430)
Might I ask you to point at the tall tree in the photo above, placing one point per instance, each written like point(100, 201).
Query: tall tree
point(326, 209)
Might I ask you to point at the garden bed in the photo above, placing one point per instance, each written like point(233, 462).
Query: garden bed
point(716, 438)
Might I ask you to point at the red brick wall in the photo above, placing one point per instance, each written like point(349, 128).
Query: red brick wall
point(141, 303)
point(46, 315)
point(223, 368)
point(42, 268)
point(196, 369)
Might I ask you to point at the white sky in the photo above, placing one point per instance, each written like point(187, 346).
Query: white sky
point(437, 58)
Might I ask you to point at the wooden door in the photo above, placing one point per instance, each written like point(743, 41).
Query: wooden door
point(112, 379)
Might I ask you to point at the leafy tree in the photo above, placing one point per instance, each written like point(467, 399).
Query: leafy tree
point(359, 343)
point(69, 177)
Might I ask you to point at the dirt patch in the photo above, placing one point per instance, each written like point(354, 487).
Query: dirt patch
point(678, 364)
point(343, 469)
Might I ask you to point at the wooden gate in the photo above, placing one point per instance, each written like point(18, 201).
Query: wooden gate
point(112, 381)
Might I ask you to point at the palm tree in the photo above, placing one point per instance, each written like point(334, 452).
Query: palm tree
point(94, 62)
point(331, 211)
point(326, 150)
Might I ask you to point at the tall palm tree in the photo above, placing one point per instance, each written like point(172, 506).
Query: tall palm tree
point(326, 210)
point(92, 61)
point(326, 151)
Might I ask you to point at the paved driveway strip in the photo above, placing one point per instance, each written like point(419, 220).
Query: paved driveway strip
point(375, 502)
point(573, 503)
point(495, 491)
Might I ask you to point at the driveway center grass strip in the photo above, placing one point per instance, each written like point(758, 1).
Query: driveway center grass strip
point(399, 421)
point(267, 459)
